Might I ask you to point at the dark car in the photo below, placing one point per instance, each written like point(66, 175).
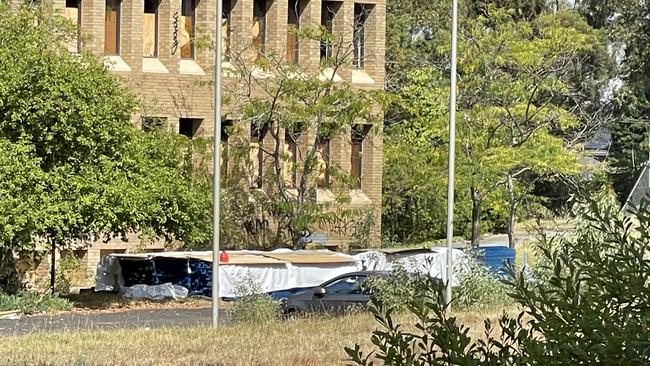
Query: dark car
point(334, 296)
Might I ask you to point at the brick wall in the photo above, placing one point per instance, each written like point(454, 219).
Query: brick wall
point(167, 85)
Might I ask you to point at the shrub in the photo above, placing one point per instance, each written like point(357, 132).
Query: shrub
point(252, 305)
point(32, 302)
point(589, 305)
point(478, 288)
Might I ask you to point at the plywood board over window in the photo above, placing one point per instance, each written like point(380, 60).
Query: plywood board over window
point(150, 29)
point(258, 30)
point(226, 30)
point(112, 27)
point(72, 13)
point(323, 162)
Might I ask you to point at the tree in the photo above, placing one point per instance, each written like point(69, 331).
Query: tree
point(65, 122)
point(522, 111)
point(296, 113)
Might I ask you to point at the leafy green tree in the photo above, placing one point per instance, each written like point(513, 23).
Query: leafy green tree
point(298, 112)
point(518, 120)
point(80, 168)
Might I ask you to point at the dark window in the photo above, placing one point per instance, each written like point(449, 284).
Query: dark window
point(293, 24)
point(152, 123)
point(361, 16)
point(226, 127)
point(328, 12)
point(323, 157)
point(188, 24)
point(189, 127)
point(258, 32)
point(359, 133)
point(351, 285)
point(112, 27)
point(73, 14)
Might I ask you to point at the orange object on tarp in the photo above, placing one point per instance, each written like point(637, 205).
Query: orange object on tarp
point(223, 257)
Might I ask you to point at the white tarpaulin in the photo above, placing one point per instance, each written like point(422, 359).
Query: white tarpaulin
point(432, 262)
point(285, 269)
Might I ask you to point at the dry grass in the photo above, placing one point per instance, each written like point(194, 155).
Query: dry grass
point(313, 341)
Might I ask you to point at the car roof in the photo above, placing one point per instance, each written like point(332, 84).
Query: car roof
point(363, 273)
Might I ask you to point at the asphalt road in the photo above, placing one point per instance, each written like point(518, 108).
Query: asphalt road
point(108, 321)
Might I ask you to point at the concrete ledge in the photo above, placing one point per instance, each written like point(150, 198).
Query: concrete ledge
point(189, 67)
point(153, 65)
point(116, 64)
point(360, 77)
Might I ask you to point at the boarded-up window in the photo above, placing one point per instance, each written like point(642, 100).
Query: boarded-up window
point(189, 127)
point(257, 155)
point(112, 27)
point(291, 157)
point(359, 133)
point(323, 159)
point(188, 20)
point(361, 16)
point(293, 24)
point(226, 30)
point(73, 13)
point(150, 29)
point(258, 31)
point(328, 12)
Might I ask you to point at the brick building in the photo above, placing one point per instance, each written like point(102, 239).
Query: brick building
point(147, 43)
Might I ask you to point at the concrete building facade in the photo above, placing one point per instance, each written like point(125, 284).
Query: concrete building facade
point(148, 43)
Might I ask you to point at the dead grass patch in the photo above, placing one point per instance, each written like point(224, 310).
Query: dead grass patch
point(310, 341)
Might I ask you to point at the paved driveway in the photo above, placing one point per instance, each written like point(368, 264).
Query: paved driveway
point(107, 321)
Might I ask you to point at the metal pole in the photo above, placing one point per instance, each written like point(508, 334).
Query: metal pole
point(452, 153)
point(216, 167)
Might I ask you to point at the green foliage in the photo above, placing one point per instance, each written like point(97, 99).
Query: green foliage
point(478, 288)
point(518, 122)
point(588, 307)
point(252, 305)
point(296, 113)
point(75, 168)
point(69, 272)
point(32, 303)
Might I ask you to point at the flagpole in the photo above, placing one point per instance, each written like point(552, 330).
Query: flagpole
point(216, 165)
point(452, 154)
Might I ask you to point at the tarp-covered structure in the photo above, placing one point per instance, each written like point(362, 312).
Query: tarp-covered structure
point(277, 270)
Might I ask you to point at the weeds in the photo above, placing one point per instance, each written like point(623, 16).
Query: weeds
point(33, 302)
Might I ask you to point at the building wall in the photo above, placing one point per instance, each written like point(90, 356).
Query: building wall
point(167, 84)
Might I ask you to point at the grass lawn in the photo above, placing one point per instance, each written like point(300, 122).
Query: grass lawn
point(312, 341)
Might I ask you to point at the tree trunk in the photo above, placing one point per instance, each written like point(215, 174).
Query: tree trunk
point(511, 212)
point(476, 216)
point(53, 265)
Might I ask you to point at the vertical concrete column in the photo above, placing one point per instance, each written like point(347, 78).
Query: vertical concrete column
point(131, 26)
point(206, 22)
point(169, 27)
point(240, 31)
point(343, 29)
point(276, 27)
point(310, 49)
point(93, 13)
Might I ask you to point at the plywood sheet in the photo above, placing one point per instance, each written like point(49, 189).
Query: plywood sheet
point(310, 258)
point(149, 35)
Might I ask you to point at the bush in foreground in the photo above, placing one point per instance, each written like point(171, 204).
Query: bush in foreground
point(589, 304)
point(252, 305)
